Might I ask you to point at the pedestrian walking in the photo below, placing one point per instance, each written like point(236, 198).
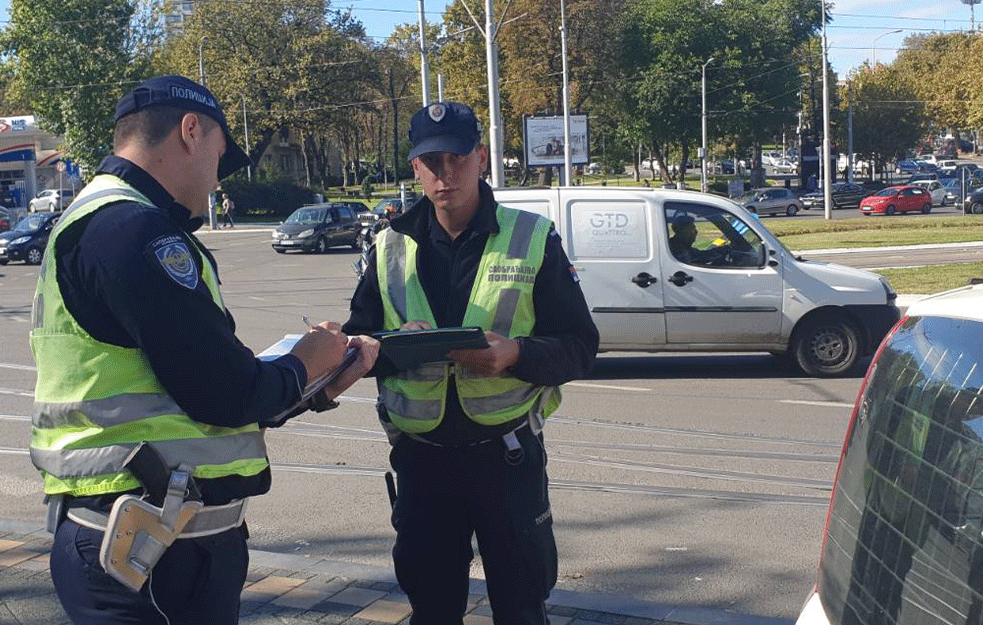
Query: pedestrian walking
point(467, 443)
point(228, 208)
point(140, 375)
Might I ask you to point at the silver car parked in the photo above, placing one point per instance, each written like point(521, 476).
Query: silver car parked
point(771, 201)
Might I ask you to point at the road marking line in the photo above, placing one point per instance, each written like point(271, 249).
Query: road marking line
point(14, 452)
point(8, 365)
point(806, 402)
point(609, 387)
point(13, 417)
point(19, 319)
point(8, 391)
point(258, 299)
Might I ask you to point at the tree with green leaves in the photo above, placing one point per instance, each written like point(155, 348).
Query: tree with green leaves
point(298, 68)
point(72, 60)
point(887, 118)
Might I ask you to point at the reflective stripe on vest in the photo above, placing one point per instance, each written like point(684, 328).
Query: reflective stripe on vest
point(501, 301)
point(95, 401)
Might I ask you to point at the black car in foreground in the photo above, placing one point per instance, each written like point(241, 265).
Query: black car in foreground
point(27, 240)
point(317, 227)
point(845, 194)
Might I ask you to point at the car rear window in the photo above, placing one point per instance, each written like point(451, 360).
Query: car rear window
point(904, 537)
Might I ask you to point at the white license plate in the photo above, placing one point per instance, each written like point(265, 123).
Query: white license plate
point(3, 251)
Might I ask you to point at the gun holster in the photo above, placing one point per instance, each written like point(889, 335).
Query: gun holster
point(138, 532)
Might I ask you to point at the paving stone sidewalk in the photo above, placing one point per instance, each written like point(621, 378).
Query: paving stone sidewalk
point(289, 589)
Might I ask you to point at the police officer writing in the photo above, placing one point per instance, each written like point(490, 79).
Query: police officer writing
point(134, 345)
point(467, 435)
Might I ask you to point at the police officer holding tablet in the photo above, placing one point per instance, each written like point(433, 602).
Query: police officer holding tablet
point(467, 443)
point(134, 344)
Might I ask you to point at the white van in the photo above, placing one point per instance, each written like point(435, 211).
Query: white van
point(734, 288)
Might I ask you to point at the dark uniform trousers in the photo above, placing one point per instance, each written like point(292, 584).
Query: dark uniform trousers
point(197, 581)
point(448, 494)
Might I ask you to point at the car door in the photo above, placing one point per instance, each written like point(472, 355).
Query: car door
point(907, 200)
point(608, 238)
point(851, 195)
point(725, 293)
point(349, 226)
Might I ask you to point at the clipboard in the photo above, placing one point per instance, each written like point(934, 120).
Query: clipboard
point(408, 349)
point(283, 346)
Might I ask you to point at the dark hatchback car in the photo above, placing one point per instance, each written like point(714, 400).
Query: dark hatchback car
point(844, 194)
point(903, 543)
point(316, 228)
point(27, 240)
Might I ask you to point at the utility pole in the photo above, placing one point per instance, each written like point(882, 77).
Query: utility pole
point(849, 132)
point(827, 178)
point(567, 158)
point(245, 125)
point(424, 63)
point(395, 102)
point(212, 218)
point(201, 61)
point(494, 107)
point(440, 87)
point(703, 150)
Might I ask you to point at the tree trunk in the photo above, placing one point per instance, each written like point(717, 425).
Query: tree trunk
point(757, 171)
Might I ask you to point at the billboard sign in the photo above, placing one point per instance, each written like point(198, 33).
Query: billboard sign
point(544, 141)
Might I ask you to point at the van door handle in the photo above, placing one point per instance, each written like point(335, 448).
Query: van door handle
point(644, 279)
point(680, 278)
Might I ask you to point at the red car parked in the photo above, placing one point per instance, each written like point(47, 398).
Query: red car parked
point(893, 200)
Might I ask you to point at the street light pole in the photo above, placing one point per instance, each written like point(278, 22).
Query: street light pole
point(424, 63)
point(567, 158)
point(873, 46)
point(827, 174)
point(201, 61)
point(212, 218)
point(703, 150)
point(494, 107)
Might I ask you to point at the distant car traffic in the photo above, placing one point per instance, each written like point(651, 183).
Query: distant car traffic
point(892, 200)
point(843, 193)
point(903, 539)
point(785, 166)
point(5, 219)
point(911, 166)
point(935, 189)
point(318, 227)
point(27, 240)
point(771, 201)
point(383, 208)
point(51, 200)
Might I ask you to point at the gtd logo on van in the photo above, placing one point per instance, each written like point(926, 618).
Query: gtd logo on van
point(609, 220)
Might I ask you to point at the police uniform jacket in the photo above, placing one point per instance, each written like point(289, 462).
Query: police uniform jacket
point(564, 339)
point(121, 293)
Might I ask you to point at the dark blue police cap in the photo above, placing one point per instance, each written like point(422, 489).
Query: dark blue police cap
point(444, 127)
point(182, 93)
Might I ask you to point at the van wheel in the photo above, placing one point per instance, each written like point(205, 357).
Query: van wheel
point(889, 211)
point(321, 247)
point(976, 208)
point(34, 256)
point(791, 210)
point(826, 346)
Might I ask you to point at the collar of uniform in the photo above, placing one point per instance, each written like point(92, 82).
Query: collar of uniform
point(420, 220)
point(135, 176)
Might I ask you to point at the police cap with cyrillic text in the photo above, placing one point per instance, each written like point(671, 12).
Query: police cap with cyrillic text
point(181, 93)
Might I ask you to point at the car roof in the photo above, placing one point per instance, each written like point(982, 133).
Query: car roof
point(963, 303)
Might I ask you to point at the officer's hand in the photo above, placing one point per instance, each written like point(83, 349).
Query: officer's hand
point(321, 349)
point(368, 351)
point(417, 324)
point(500, 354)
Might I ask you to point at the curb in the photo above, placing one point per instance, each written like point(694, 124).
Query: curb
point(269, 568)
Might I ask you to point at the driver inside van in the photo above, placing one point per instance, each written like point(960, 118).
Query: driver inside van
point(681, 241)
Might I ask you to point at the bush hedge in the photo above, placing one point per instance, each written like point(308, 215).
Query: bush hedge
point(277, 198)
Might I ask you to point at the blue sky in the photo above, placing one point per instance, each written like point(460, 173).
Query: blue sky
point(855, 26)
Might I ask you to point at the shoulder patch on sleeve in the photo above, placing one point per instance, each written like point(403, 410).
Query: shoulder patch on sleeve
point(174, 256)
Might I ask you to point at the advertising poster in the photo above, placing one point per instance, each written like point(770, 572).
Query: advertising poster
point(544, 141)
